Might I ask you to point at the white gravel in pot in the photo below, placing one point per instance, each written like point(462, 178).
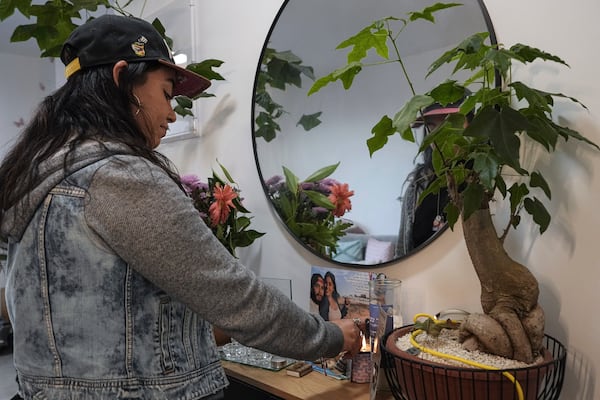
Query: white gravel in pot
point(447, 343)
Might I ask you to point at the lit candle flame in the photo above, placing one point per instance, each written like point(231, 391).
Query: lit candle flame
point(365, 346)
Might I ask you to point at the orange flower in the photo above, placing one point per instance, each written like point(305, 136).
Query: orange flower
point(219, 210)
point(340, 197)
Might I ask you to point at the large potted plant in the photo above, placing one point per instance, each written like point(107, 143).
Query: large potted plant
point(478, 163)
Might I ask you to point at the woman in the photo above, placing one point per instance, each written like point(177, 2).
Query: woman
point(333, 307)
point(113, 282)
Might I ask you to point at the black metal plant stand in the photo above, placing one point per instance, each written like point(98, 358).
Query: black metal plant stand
point(411, 378)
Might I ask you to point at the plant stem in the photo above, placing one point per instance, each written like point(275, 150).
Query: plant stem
point(412, 89)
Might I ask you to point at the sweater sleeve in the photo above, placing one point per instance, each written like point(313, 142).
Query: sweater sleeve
point(152, 225)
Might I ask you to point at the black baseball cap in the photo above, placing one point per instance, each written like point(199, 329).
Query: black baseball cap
point(111, 38)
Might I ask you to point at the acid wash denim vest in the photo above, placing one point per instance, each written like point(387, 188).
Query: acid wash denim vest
point(86, 326)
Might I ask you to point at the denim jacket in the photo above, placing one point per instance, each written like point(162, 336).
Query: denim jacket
point(103, 306)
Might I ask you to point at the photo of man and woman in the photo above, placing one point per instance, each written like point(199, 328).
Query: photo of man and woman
point(338, 293)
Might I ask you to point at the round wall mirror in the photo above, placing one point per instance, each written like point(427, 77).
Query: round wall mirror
point(295, 134)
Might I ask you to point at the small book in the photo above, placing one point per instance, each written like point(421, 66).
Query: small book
point(299, 369)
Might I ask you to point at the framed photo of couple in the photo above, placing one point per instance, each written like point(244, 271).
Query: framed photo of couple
point(339, 293)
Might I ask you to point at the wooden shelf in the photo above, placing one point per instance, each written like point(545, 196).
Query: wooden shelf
point(312, 386)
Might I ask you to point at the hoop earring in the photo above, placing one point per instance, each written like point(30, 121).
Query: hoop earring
point(139, 105)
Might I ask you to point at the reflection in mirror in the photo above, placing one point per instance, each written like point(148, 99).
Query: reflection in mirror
point(300, 133)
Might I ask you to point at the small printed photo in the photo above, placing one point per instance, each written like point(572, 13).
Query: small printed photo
point(339, 293)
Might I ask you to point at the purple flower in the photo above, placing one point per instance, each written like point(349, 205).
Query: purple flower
point(275, 179)
point(307, 186)
point(191, 182)
point(320, 210)
point(326, 184)
point(276, 188)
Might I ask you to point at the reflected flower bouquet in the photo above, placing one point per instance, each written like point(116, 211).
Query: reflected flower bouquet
point(220, 207)
point(312, 208)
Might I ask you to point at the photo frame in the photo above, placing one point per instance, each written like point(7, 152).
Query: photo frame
point(179, 20)
point(352, 287)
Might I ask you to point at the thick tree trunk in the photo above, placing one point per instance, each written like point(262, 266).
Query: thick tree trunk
point(513, 323)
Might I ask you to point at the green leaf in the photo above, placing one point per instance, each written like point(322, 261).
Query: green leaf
point(287, 207)
point(536, 99)
point(427, 13)
point(371, 37)
point(538, 212)
point(225, 172)
point(530, 54)
point(500, 59)
point(452, 213)
point(23, 33)
point(501, 185)
point(283, 72)
point(447, 92)
point(517, 191)
point(345, 74)
point(537, 180)
point(381, 131)
point(433, 188)
point(7, 8)
point(205, 68)
point(309, 121)
point(184, 101)
point(204, 95)
point(280, 69)
point(319, 199)
point(486, 167)
point(468, 53)
point(183, 106)
point(322, 173)
point(567, 133)
point(267, 127)
point(407, 115)
point(246, 238)
point(542, 130)
point(501, 128)
point(182, 111)
point(241, 223)
point(472, 199)
point(291, 181)
point(157, 24)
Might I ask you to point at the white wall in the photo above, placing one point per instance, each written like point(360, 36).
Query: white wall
point(20, 94)
point(563, 259)
point(23, 82)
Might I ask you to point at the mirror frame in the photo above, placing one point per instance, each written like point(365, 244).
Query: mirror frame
point(492, 38)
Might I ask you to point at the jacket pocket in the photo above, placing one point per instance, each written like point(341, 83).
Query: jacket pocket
point(164, 333)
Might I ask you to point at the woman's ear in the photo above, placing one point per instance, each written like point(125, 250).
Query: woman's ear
point(116, 71)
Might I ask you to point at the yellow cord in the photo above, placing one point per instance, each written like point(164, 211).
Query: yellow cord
point(414, 342)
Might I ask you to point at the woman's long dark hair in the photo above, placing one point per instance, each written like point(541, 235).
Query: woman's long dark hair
point(324, 307)
point(89, 106)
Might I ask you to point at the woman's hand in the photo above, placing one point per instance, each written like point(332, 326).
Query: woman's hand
point(352, 334)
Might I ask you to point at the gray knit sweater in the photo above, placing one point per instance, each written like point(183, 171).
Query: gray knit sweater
point(145, 219)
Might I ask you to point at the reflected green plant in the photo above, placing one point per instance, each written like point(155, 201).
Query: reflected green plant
point(279, 70)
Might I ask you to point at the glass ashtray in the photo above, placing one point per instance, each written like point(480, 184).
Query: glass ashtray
point(238, 353)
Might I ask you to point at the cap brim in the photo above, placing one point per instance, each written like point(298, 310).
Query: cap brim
point(189, 83)
point(438, 111)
